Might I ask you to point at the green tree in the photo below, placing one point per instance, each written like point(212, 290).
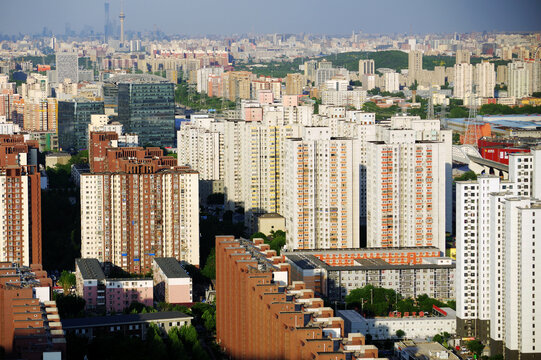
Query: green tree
point(475, 346)
point(458, 112)
point(176, 347)
point(278, 241)
point(67, 280)
point(400, 333)
point(209, 270)
point(209, 319)
point(69, 306)
point(468, 175)
point(438, 338)
point(259, 235)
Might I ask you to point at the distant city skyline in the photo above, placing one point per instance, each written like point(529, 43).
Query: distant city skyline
point(244, 16)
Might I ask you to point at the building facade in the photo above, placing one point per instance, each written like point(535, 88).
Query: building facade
point(20, 205)
point(406, 194)
point(146, 107)
point(73, 119)
point(321, 191)
point(140, 207)
point(260, 313)
point(496, 249)
point(433, 275)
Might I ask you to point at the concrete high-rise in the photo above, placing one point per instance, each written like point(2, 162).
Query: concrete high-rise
point(366, 67)
point(141, 206)
point(321, 191)
point(67, 67)
point(407, 184)
point(496, 250)
point(485, 79)
point(462, 57)
point(294, 84)
point(463, 81)
point(518, 79)
point(415, 65)
point(392, 81)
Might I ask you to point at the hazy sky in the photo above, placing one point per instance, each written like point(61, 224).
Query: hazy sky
point(280, 16)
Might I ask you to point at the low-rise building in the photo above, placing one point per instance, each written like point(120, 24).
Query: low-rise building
point(431, 275)
point(410, 350)
point(172, 283)
point(109, 294)
point(414, 326)
point(268, 223)
point(128, 325)
point(60, 158)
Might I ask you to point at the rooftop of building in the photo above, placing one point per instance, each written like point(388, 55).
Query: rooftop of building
point(415, 249)
point(122, 319)
point(171, 267)
point(271, 216)
point(90, 269)
point(444, 313)
point(14, 276)
point(136, 79)
point(311, 262)
point(427, 350)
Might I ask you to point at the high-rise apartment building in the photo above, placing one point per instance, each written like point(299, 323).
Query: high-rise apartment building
point(310, 68)
point(462, 57)
point(406, 189)
point(140, 207)
point(463, 81)
point(485, 79)
point(415, 65)
point(200, 145)
point(20, 189)
point(321, 191)
point(67, 67)
point(237, 85)
point(391, 81)
point(41, 114)
point(366, 67)
point(74, 116)
point(496, 257)
point(294, 84)
point(518, 79)
point(146, 106)
point(203, 77)
point(354, 98)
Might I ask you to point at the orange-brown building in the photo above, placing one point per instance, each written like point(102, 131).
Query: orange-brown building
point(20, 190)
point(260, 314)
point(29, 321)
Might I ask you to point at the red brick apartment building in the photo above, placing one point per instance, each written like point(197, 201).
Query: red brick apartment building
point(260, 314)
point(137, 204)
point(20, 200)
point(29, 321)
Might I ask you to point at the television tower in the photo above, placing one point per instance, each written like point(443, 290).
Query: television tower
point(122, 17)
point(106, 27)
